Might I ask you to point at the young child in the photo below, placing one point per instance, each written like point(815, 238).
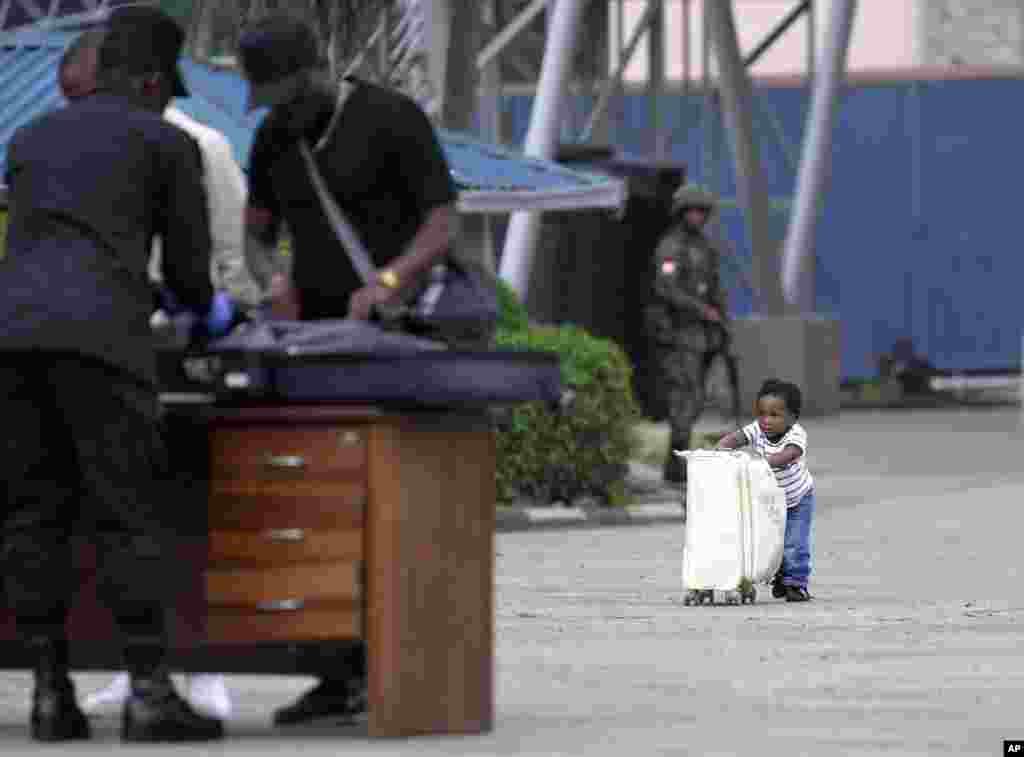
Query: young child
point(783, 442)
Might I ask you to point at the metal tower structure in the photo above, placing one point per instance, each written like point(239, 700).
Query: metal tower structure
point(780, 271)
point(539, 41)
point(14, 13)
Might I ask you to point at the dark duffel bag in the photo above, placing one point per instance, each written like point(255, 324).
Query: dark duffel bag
point(356, 361)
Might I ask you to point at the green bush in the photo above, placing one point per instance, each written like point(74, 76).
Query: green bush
point(545, 456)
point(513, 317)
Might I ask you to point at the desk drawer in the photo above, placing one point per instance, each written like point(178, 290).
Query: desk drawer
point(313, 622)
point(283, 587)
point(241, 505)
point(284, 546)
point(273, 453)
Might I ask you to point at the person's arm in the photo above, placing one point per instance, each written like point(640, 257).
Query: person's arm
point(718, 296)
point(786, 456)
point(734, 440)
point(432, 242)
point(226, 193)
point(184, 225)
point(262, 235)
point(425, 174)
point(263, 222)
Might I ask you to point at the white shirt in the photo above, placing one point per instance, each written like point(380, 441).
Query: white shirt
point(794, 478)
point(226, 193)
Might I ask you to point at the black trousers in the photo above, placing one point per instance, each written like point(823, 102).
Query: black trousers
point(82, 454)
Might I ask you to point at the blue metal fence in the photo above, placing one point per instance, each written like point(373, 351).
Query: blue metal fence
point(920, 228)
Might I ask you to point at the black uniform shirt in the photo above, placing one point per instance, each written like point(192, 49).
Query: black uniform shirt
point(90, 185)
point(386, 170)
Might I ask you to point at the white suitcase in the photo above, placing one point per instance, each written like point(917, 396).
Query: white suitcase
point(735, 525)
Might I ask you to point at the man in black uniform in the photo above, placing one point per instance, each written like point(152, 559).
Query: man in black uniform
point(380, 159)
point(382, 162)
point(90, 185)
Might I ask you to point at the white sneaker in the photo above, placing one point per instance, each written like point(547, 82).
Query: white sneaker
point(208, 694)
point(112, 697)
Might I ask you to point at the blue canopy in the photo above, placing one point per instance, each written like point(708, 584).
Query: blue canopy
point(491, 179)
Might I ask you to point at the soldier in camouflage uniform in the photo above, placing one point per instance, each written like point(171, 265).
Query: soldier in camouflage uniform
point(687, 316)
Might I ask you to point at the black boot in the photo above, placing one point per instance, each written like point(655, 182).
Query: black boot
point(334, 697)
point(154, 712)
point(55, 712)
point(675, 467)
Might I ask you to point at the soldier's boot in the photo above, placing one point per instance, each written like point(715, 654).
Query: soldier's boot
point(674, 471)
point(154, 712)
point(55, 713)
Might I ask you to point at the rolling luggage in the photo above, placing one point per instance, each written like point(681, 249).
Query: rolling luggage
point(735, 526)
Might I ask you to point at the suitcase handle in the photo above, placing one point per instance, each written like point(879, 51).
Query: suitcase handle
point(732, 452)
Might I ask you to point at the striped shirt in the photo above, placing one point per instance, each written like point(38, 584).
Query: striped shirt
point(794, 479)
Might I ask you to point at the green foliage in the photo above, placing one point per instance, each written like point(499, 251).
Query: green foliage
point(546, 456)
point(513, 316)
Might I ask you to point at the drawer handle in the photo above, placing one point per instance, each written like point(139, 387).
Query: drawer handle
point(281, 605)
point(285, 462)
point(349, 438)
point(290, 535)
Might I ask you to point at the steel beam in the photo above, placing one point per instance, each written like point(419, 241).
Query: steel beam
point(611, 86)
point(781, 28)
point(490, 89)
point(510, 32)
point(30, 7)
point(543, 135)
point(815, 164)
point(737, 95)
point(656, 79)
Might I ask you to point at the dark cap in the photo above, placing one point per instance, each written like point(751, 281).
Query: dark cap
point(144, 39)
point(277, 54)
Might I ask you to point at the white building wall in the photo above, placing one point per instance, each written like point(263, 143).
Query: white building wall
point(972, 32)
point(888, 35)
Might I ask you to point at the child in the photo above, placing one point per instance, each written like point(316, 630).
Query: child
point(783, 442)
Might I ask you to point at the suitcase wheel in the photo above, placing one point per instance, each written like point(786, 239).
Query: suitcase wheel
point(732, 597)
point(699, 597)
point(750, 596)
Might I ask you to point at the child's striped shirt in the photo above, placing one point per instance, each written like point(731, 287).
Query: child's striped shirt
point(794, 479)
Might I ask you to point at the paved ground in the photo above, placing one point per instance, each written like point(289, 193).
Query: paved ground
point(913, 645)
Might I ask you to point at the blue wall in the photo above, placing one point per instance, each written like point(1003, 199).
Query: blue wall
point(919, 234)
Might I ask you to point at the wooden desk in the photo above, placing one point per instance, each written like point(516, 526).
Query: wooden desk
point(327, 525)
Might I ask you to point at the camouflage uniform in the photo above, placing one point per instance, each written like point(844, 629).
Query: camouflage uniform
point(686, 280)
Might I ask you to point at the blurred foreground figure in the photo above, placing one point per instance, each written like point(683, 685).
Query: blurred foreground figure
point(90, 186)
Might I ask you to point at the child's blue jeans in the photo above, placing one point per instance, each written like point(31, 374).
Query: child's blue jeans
point(796, 550)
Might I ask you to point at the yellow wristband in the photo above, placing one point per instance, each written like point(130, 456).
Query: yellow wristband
point(388, 278)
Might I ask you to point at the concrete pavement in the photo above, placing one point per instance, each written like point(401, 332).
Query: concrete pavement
point(913, 644)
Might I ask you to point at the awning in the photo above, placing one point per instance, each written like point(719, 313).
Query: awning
point(491, 179)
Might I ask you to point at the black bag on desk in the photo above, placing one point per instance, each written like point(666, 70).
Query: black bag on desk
point(355, 361)
point(458, 303)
